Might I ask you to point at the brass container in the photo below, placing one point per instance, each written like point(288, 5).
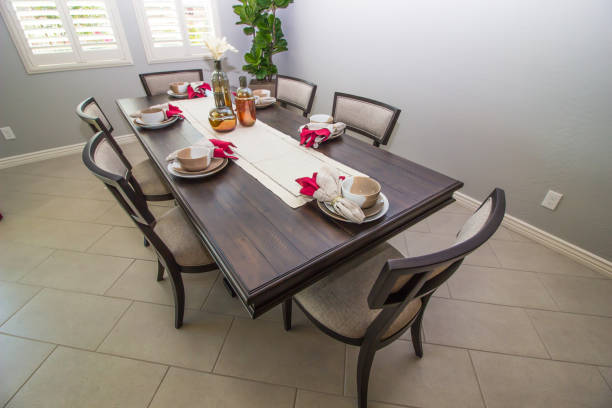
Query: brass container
point(222, 118)
point(245, 104)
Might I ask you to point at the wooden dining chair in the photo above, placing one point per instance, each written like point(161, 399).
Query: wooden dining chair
point(362, 305)
point(372, 119)
point(158, 83)
point(178, 248)
point(295, 92)
point(147, 179)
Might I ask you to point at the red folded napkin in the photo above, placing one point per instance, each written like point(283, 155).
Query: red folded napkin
point(309, 184)
point(174, 111)
point(225, 146)
point(218, 152)
point(309, 137)
point(199, 92)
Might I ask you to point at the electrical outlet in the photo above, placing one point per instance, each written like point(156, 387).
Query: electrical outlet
point(7, 132)
point(551, 201)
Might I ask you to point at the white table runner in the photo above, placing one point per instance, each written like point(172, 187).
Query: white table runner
point(272, 157)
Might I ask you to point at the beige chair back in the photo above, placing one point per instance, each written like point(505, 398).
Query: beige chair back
point(158, 83)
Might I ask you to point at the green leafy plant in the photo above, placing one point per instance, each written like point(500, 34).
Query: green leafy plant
point(259, 17)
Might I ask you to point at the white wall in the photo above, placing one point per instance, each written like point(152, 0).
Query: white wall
point(508, 93)
point(40, 107)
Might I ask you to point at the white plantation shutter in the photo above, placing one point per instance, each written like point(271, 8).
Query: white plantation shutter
point(54, 35)
point(174, 30)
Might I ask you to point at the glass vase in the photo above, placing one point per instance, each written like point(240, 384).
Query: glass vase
point(221, 118)
point(220, 83)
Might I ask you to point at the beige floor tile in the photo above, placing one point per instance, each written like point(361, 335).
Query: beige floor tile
point(446, 223)
point(535, 257)
point(420, 226)
point(97, 192)
point(504, 234)
point(72, 209)
point(139, 282)
point(184, 388)
point(399, 242)
point(606, 372)
point(125, 242)
point(17, 259)
point(457, 208)
point(483, 256)
point(22, 203)
point(425, 243)
point(577, 338)
point(309, 399)
point(219, 301)
point(78, 271)
point(482, 327)
point(75, 378)
point(444, 377)
point(13, 296)
point(517, 382)
point(59, 234)
point(70, 166)
point(442, 291)
point(501, 287)
point(18, 360)
point(72, 319)
point(581, 295)
point(303, 357)
point(147, 332)
point(116, 215)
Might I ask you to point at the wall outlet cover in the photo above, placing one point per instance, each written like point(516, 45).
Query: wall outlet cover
point(7, 132)
point(551, 201)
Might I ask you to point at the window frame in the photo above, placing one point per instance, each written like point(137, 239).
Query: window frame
point(82, 60)
point(147, 38)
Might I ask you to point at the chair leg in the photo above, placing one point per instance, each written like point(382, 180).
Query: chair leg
point(160, 271)
point(364, 366)
point(146, 243)
point(179, 296)
point(416, 329)
point(287, 306)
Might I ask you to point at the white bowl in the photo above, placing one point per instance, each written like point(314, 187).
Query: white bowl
point(321, 118)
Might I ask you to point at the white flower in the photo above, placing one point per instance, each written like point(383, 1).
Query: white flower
point(218, 46)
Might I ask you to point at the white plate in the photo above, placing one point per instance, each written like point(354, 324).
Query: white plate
point(153, 126)
point(178, 96)
point(265, 104)
point(371, 218)
point(175, 173)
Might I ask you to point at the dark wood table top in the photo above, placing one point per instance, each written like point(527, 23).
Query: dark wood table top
point(267, 250)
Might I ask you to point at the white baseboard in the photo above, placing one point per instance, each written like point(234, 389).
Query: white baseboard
point(54, 152)
point(553, 242)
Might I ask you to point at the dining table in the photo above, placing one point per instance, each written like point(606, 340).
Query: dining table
point(266, 250)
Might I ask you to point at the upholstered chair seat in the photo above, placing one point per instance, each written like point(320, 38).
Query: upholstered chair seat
point(340, 300)
point(178, 235)
point(149, 179)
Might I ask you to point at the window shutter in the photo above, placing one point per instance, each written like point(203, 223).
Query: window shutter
point(174, 30)
point(52, 35)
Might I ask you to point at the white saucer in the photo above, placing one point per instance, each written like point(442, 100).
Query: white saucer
point(178, 96)
point(265, 104)
point(174, 163)
point(371, 218)
point(153, 126)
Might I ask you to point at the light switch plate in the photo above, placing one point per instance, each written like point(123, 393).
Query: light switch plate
point(551, 201)
point(7, 132)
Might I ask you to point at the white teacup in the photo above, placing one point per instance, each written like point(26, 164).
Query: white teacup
point(195, 158)
point(261, 93)
point(152, 115)
point(179, 87)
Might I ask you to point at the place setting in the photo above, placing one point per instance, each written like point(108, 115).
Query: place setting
point(354, 199)
point(263, 98)
point(188, 90)
point(320, 129)
point(203, 159)
point(157, 116)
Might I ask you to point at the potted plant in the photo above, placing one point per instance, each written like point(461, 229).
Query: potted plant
point(259, 17)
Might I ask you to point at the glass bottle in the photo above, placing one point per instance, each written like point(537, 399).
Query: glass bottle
point(221, 117)
point(245, 104)
point(220, 83)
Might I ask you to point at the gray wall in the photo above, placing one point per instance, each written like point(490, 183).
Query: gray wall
point(40, 107)
point(515, 94)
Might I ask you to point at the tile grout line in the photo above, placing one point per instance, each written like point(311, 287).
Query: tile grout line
point(484, 401)
point(538, 333)
point(31, 375)
point(98, 240)
point(158, 386)
point(295, 394)
point(117, 279)
point(539, 279)
point(344, 370)
point(114, 325)
point(2, 323)
point(219, 274)
point(604, 378)
point(229, 329)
